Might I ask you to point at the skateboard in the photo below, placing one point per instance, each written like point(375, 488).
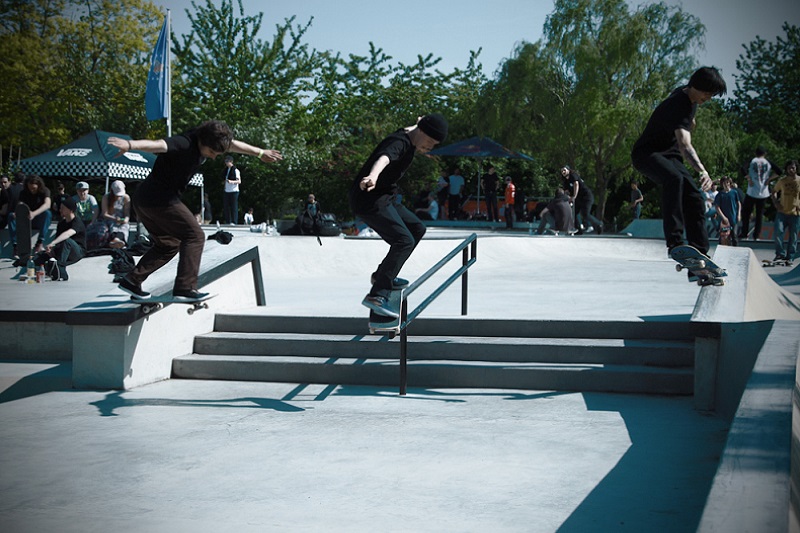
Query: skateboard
point(725, 235)
point(385, 324)
point(700, 265)
point(149, 305)
point(779, 262)
point(23, 216)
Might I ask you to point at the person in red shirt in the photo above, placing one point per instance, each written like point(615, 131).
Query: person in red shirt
point(508, 208)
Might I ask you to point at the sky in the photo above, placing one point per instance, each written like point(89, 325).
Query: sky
point(450, 29)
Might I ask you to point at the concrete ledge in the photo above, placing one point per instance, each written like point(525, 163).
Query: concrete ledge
point(751, 490)
point(749, 294)
point(116, 346)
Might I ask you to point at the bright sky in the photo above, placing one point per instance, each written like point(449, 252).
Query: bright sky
point(451, 28)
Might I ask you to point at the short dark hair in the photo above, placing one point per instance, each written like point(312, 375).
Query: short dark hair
point(215, 135)
point(708, 79)
point(760, 151)
point(790, 163)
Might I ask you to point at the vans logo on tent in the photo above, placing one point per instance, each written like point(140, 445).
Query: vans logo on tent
point(74, 152)
point(133, 156)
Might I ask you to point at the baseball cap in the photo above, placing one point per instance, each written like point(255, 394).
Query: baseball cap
point(81, 185)
point(118, 188)
point(69, 203)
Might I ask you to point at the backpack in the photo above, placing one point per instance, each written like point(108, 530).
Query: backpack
point(97, 235)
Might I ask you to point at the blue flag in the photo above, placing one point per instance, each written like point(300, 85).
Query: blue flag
point(155, 95)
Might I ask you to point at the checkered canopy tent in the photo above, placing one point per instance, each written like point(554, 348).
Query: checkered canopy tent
point(92, 157)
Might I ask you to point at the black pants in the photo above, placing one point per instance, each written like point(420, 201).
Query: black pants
point(747, 208)
point(67, 253)
point(230, 207)
point(491, 207)
point(682, 203)
point(173, 229)
point(401, 229)
point(453, 206)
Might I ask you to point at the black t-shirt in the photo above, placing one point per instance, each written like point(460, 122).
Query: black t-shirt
point(398, 148)
point(490, 183)
point(676, 112)
point(583, 189)
point(33, 201)
point(76, 224)
point(171, 172)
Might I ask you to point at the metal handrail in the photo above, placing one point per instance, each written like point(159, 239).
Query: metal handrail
point(468, 258)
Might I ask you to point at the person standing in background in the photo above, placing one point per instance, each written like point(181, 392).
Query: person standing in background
point(230, 200)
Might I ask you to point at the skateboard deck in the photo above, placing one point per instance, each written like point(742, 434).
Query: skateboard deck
point(780, 262)
point(725, 235)
point(24, 237)
point(387, 325)
point(699, 264)
point(148, 305)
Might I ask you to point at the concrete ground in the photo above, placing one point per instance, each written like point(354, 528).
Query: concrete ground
point(231, 456)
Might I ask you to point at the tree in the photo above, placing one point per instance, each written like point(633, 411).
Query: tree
point(582, 94)
point(68, 66)
point(766, 95)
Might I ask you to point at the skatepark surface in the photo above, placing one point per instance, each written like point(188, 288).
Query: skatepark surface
point(183, 455)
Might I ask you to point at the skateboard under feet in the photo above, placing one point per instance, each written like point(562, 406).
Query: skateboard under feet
point(387, 325)
point(698, 264)
point(150, 305)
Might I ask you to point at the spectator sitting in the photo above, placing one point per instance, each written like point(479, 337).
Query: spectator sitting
point(431, 210)
point(117, 214)
point(558, 214)
point(248, 217)
point(87, 203)
point(67, 248)
point(58, 197)
point(37, 197)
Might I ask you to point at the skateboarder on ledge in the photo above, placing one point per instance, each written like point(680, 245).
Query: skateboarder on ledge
point(157, 202)
point(373, 198)
point(660, 151)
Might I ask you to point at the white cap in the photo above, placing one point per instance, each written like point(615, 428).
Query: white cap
point(81, 185)
point(118, 188)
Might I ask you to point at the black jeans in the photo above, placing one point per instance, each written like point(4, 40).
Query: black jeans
point(401, 229)
point(747, 208)
point(682, 204)
point(230, 207)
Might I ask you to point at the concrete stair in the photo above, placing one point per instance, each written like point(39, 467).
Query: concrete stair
point(632, 357)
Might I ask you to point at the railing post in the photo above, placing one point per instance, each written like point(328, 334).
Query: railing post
point(403, 348)
point(464, 281)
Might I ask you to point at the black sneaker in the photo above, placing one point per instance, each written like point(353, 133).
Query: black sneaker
point(380, 305)
point(397, 283)
point(188, 295)
point(134, 289)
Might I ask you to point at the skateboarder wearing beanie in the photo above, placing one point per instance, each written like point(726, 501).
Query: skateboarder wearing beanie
point(173, 227)
point(373, 199)
point(660, 151)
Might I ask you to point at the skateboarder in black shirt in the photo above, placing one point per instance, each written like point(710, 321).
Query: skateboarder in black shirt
point(173, 227)
point(660, 151)
point(373, 198)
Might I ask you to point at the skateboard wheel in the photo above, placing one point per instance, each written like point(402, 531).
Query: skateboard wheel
point(678, 267)
point(190, 310)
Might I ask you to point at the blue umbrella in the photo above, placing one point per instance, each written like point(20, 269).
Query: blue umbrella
point(479, 147)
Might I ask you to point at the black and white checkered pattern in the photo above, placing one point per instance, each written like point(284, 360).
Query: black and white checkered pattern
point(92, 169)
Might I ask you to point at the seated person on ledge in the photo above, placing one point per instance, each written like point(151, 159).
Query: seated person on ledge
point(68, 246)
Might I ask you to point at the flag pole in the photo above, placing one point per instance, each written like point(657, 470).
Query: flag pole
point(169, 74)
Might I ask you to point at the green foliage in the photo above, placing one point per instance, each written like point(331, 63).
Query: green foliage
point(68, 66)
point(767, 100)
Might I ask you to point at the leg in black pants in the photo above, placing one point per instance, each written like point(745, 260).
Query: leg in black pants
point(402, 230)
point(682, 205)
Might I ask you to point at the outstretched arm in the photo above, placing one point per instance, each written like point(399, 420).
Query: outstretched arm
point(142, 145)
point(266, 156)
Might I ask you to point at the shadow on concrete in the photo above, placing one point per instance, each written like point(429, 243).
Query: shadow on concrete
point(440, 395)
point(114, 401)
point(56, 378)
point(643, 483)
